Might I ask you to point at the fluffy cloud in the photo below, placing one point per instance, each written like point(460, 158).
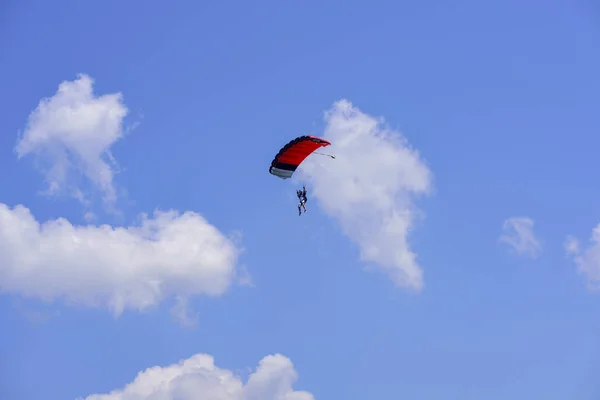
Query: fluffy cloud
point(588, 259)
point(135, 267)
point(518, 234)
point(71, 134)
point(199, 378)
point(370, 187)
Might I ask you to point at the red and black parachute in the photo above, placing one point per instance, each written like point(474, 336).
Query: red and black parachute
point(292, 154)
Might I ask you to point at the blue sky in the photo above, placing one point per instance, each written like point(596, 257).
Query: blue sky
point(497, 101)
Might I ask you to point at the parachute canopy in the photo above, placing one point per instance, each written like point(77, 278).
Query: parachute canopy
point(292, 154)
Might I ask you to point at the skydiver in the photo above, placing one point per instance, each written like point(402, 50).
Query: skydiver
point(302, 197)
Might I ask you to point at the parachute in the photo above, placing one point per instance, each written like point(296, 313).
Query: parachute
point(294, 153)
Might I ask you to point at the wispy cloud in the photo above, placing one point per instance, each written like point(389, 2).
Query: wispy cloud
point(183, 313)
point(519, 235)
point(587, 258)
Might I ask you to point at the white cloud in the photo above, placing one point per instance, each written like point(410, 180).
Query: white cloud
point(199, 378)
point(518, 233)
point(588, 259)
point(369, 189)
point(71, 134)
point(135, 267)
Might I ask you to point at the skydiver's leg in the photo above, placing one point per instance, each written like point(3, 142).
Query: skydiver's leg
point(299, 210)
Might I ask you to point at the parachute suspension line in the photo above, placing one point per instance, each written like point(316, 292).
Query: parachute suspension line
point(323, 154)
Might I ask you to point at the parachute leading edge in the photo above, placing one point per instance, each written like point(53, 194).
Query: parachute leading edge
point(293, 154)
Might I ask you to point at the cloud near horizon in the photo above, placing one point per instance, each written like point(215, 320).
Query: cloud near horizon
point(198, 378)
point(134, 267)
point(369, 189)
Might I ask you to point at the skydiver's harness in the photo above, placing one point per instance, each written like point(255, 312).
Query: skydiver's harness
point(302, 199)
point(301, 196)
